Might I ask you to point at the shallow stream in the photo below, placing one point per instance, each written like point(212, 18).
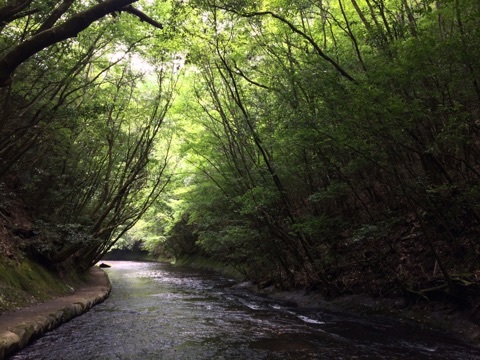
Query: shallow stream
point(157, 311)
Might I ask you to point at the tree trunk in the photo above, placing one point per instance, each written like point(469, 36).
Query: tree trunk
point(69, 29)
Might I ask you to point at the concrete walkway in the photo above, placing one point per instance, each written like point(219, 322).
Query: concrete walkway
point(17, 329)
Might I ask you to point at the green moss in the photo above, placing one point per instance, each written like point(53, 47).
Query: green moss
point(26, 282)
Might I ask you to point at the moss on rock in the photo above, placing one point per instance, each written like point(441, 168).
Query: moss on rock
point(25, 282)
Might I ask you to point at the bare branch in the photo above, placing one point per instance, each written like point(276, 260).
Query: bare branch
point(142, 16)
point(239, 72)
point(55, 15)
point(9, 12)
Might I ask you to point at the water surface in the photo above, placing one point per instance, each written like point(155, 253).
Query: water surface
point(157, 311)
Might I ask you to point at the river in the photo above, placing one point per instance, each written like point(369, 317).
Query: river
point(158, 311)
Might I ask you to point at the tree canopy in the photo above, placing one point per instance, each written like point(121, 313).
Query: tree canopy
point(331, 144)
point(46, 32)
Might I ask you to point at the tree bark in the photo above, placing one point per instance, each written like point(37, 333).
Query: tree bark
point(10, 11)
point(55, 15)
point(69, 29)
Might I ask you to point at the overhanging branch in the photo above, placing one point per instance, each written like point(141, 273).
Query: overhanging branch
point(12, 9)
point(142, 16)
point(68, 29)
point(311, 41)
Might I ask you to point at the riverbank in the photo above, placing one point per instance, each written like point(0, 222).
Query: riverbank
point(20, 327)
point(431, 316)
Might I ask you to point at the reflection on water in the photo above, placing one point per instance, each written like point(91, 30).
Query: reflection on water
point(157, 311)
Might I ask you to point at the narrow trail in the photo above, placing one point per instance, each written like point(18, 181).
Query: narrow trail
point(18, 328)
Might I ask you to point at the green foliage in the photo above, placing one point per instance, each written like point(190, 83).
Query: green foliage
point(279, 137)
point(302, 160)
point(80, 134)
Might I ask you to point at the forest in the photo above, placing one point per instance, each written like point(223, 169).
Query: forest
point(331, 145)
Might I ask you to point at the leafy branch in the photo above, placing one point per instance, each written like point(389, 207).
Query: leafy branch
point(296, 30)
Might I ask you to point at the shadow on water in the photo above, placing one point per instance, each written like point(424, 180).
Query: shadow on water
point(157, 311)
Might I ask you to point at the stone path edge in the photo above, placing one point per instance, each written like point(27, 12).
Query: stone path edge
point(18, 328)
